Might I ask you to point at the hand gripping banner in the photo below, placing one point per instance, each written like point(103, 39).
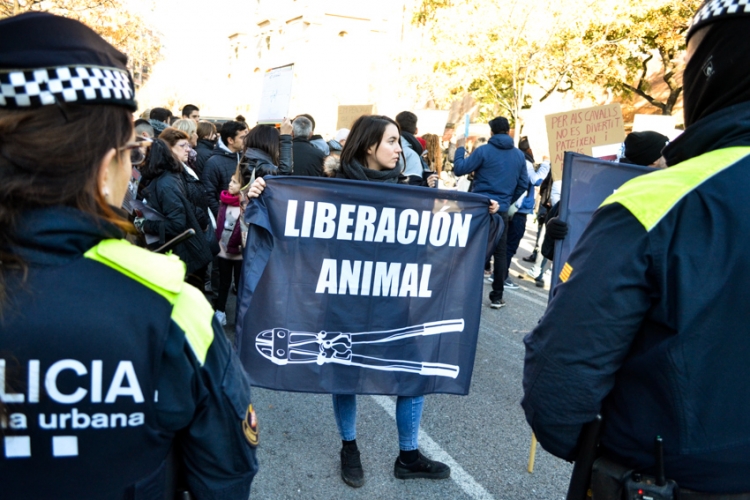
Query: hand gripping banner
point(353, 287)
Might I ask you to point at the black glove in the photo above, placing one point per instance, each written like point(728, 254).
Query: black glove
point(557, 229)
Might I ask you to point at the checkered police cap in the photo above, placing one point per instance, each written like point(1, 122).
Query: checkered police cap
point(46, 59)
point(718, 10)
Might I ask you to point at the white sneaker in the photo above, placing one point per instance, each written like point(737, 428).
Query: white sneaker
point(222, 317)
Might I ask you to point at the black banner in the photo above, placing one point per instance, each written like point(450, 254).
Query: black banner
point(362, 288)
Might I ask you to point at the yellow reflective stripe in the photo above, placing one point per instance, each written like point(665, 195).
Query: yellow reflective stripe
point(194, 315)
point(650, 197)
point(163, 274)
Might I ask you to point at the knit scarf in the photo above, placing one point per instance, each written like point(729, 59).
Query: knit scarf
point(413, 142)
point(233, 200)
point(355, 170)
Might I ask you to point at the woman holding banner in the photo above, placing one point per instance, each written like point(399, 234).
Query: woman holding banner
point(371, 153)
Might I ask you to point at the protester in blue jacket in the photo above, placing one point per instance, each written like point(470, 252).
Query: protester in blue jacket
point(113, 376)
point(500, 174)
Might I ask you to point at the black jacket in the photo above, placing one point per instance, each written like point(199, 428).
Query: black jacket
point(141, 365)
point(204, 149)
point(167, 195)
point(196, 195)
point(306, 158)
point(261, 162)
point(649, 326)
point(219, 170)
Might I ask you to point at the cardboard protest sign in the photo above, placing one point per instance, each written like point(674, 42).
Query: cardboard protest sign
point(586, 183)
point(355, 287)
point(579, 130)
point(349, 114)
point(276, 95)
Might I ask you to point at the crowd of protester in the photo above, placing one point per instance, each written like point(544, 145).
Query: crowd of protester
point(208, 163)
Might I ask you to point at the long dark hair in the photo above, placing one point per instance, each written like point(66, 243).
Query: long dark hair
point(366, 132)
point(51, 156)
point(159, 159)
point(265, 138)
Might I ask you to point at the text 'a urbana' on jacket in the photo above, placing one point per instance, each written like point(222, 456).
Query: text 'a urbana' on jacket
point(113, 359)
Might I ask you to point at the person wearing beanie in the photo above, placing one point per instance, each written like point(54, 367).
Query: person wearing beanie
point(499, 173)
point(115, 378)
point(649, 324)
point(644, 148)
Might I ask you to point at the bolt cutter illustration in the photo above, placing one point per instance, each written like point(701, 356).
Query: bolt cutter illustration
point(282, 347)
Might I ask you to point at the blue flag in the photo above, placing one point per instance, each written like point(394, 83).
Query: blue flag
point(354, 287)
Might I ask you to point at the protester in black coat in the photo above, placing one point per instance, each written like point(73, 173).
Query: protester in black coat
point(268, 152)
point(165, 192)
point(223, 162)
point(306, 158)
point(206, 143)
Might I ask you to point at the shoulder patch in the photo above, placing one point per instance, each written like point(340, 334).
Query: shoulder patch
point(250, 427)
point(163, 274)
point(567, 270)
point(650, 197)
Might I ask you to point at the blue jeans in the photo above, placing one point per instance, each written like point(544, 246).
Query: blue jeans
point(408, 416)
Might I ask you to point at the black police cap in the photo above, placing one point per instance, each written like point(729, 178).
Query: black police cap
point(47, 59)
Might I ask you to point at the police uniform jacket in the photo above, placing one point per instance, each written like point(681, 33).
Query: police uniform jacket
point(107, 360)
point(650, 325)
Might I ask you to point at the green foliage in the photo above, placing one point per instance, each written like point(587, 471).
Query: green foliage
point(625, 52)
point(511, 54)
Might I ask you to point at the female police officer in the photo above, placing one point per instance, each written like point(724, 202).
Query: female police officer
point(107, 359)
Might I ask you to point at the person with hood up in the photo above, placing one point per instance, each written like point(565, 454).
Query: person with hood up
point(500, 174)
point(648, 327)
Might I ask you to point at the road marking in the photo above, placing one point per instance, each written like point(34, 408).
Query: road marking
point(462, 478)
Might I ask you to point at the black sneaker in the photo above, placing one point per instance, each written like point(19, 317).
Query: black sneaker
point(351, 468)
point(497, 304)
point(530, 258)
point(423, 468)
point(539, 282)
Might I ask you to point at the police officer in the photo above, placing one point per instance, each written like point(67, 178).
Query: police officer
point(650, 323)
point(108, 360)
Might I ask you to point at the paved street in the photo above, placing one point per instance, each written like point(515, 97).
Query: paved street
point(482, 436)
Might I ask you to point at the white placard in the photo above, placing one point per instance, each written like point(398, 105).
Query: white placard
point(663, 124)
point(277, 94)
point(431, 121)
